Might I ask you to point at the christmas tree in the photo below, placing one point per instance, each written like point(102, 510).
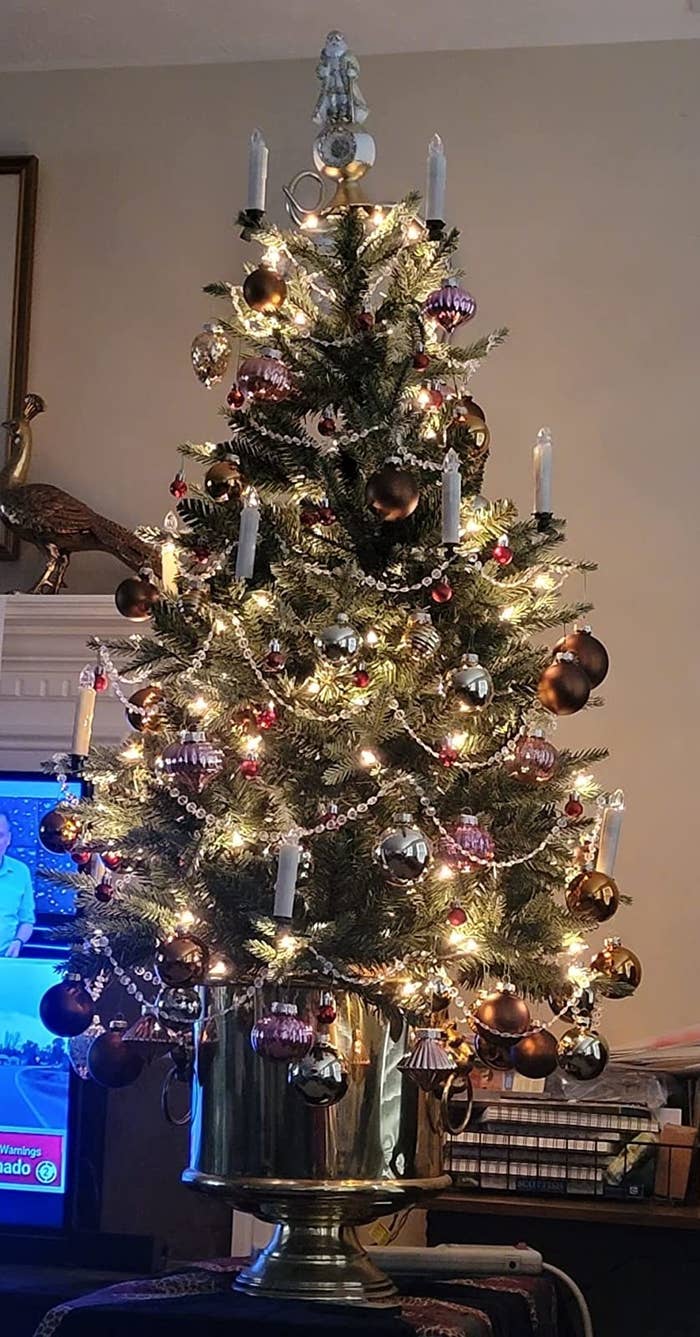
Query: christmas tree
point(339, 763)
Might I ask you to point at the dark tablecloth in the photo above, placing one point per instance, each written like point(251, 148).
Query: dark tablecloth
point(200, 1303)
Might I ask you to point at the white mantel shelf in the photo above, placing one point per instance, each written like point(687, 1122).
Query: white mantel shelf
point(43, 647)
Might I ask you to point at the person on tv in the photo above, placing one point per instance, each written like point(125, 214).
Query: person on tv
point(16, 896)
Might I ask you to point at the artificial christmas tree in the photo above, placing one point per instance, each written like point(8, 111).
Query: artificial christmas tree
point(340, 776)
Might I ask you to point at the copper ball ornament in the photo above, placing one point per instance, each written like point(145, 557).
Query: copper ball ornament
point(582, 1054)
point(135, 598)
point(146, 715)
point(392, 493)
point(572, 1002)
point(182, 960)
point(321, 1077)
point(534, 758)
point(264, 289)
point(111, 1062)
point(282, 1037)
point(593, 896)
point(193, 761)
point(564, 688)
point(59, 831)
point(501, 1013)
point(265, 376)
point(222, 481)
point(66, 1008)
point(535, 1055)
point(403, 852)
point(590, 652)
point(450, 305)
point(617, 970)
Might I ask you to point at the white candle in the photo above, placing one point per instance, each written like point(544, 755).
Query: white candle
point(257, 172)
point(247, 537)
point(84, 714)
point(168, 567)
point(610, 834)
point(542, 460)
point(436, 178)
point(286, 883)
point(451, 497)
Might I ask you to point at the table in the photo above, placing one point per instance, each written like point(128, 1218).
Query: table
point(200, 1303)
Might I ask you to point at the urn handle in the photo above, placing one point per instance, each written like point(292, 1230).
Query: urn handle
point(456, 1082)
point(173, 1077)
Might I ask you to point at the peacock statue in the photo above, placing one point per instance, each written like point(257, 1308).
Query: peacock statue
point(51, 519)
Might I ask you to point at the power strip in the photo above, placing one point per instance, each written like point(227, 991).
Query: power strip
point(459, 1260)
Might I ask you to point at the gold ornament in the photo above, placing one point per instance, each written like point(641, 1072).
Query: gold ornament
point(582, 1054)
point(617, 970)
point(54, 521)
point(423, 637)
point(593, 895)
point(211, 354)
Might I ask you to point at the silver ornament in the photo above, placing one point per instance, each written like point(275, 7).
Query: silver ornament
point(179, 1007)
point(403, 851)
point(473, 684)
point(423, 637)
point(429, 1062)
point(339, 641)
point(321, 1077)
point(211, 354)
point(582, 1054)
point(78, 1046)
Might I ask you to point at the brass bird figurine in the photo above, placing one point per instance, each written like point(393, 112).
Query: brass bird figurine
point(52, 520)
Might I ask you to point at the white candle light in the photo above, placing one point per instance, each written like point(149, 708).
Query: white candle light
point(257, 172)
point(451, 497)
point(436, 179)
point(248, 537)
point(84, 713)
point(170, 567)
point(610, 834)
point(542, 460)
point(286, 883)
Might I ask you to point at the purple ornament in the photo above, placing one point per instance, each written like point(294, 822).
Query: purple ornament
point(193, 762)
point(469, 845)
point(265, 376)
point(450, 305)
point(282, 1036)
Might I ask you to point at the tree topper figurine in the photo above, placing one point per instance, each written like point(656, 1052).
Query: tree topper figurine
point(340, 99)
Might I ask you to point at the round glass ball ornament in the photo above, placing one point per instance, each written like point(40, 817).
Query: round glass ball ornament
point(339, 641)
point(222, 481)
point(423, 637)
point(502, 1013)
point(282, 1037)
point(450, 305)
point(192, 762)
point(321, 1077)
point(572, 1002)
point(135, 598)
point(392, 493)
point(211, 354)
point(264, 289)
point(66, 1008)
point(178, 1007)
point(470, 846)
point(182, 960)
point(146, 714)
point(563, 687)
point(473, 684)
point(593, 896)
point(111, 1062)
point(589, 651)
point(403, 851)
point(59, 831)
point(535, 1055)
point(617, 969)
point(582, 1054)
point(534, 758)
point(265, 376)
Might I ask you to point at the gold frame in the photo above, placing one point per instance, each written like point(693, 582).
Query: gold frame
point(27, 169)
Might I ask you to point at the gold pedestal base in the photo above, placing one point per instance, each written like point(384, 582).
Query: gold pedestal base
point(315, 1253)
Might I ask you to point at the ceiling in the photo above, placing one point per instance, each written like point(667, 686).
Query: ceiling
point(54, 34)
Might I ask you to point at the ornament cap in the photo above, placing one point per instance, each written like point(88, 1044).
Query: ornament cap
point(284, 1009)
point(429, 1033)
point(274, 353)
point(118, 1024)
point(471, 658)
point(468, 819)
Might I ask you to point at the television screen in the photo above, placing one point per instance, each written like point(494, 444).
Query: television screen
point(24, 799)
point(34, 1084)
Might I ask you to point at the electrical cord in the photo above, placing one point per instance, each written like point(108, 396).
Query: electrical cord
point(573, 1289)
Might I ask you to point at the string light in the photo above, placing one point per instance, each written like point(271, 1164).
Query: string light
point(445, 873)
point(287, 943)
point(310, 222)
point(372, 637)
point(472, 526)
point(132, 752)
point(219, 626)
point(414, 231)
point(185, 919)
point(377, 217)
point(457, 741)
point(300, 318)
point(409, 989)
point(236, 841)
point(272, 256)
point(368, 758)
point(543, 581)
point(507, 614)
point(199, 706)
point(424, 398)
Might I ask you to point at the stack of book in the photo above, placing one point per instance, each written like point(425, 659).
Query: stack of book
point(539, 1146)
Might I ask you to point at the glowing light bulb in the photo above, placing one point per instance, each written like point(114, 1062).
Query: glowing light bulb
point(457, 741)
point(262, 599)
point(311, 221)
point(423, 397)
point(582, 782)
point(472, 526)
point(409, 988)
point(300, 318)
point(377, 217)
point(185, 919)
point(471, 946)
point(219, 626)
point(543, 581)
point(508, 614)
point(132, 752)
point(287, 943)
point(414, 231)
point(220, 968)
point(368, 757)
point(455, 938)
point(236, 841)
point(372, 637)
point(574, 946)
point(272, 256)
point(430, 434)
point(445, 873)
point(312, 687)
point(199, 706)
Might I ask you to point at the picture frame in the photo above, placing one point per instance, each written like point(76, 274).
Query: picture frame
point(18, 193)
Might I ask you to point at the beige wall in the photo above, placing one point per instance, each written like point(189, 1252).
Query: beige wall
point(574, 173)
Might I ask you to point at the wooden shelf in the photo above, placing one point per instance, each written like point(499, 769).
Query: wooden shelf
point(601, 1211)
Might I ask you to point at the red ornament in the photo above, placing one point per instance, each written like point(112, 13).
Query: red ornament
point(266, 717)
point(573, 808)
point(235, 397)
point(361, 677)
point(429, 397)
point(274, 660)
point(81, 858)
point(420, 359)
point(101, 682)
point(457, 916)
point(265, 376)
point(104, 890)
point(365, 321)
point(201, 552)
point(178, 487)
point(502, 553)
point(249, 767)
point(327, 1011)
point(192, 762)
point(111, 859)
point(442, 592)
point(447, 755)
point(327, 425)
point(326, 515)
